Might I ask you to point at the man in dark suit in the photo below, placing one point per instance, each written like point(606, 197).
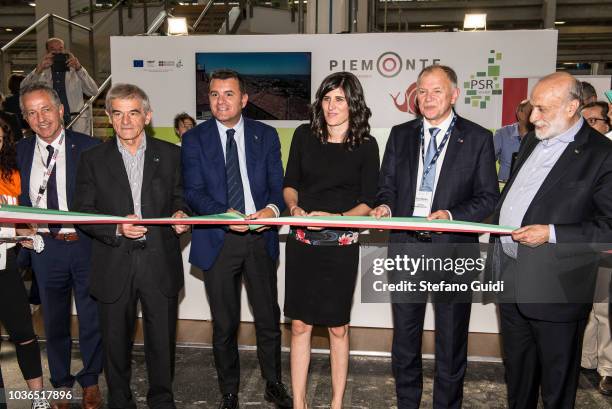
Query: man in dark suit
point(560, 192)
point(440, 166)
point(136, 176)
point(63, 267)
point(231, 163)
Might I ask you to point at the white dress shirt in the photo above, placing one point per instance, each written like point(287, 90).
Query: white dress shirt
point(443, 129)
point(249, 203)
point(39, 167)
point(443, 126)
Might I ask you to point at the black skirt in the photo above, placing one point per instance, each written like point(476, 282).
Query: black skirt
point(320, 282)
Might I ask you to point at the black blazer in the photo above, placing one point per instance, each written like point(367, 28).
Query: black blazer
point(576, 197)
point(102, 187)
point(467, 185)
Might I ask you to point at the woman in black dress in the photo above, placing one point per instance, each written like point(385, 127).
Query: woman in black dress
point(332, 170)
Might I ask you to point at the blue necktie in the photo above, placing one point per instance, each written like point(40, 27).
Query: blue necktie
point(52, 201)
point(235, 191)
point(429, 180)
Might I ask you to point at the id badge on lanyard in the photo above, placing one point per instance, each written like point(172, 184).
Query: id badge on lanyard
point(424, 199)
point(422, 203)
point(43, 186)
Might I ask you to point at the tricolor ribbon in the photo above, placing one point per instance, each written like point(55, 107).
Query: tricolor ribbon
point(19, 214)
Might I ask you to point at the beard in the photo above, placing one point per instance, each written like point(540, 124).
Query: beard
point(552, 129)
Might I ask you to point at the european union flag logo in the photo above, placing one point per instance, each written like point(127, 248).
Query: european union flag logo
point(138, 63)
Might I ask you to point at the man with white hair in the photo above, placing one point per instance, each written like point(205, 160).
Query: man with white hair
point(561, 195)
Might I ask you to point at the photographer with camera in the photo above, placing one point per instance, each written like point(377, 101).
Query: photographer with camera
point(64, 73)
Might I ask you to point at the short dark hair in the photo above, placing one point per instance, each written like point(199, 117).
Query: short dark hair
point(601, 105)
point(588, 91)
point(14, 83)
point(39, 86)
point(226, 74)
point(181, 118)
point(450, 73)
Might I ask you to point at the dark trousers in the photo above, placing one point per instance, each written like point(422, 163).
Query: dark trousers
point(540, 354)
point(63, 267)
point(117, 320)
point(452, 321)
point(243, 256)
point(16, 318)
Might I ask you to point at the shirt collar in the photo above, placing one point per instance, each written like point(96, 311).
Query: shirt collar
point(443, 126)
point(566, 136)
point(140, 149)
point(43, 145)
point(238, 127)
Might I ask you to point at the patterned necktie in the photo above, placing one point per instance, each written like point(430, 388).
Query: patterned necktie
point(429, 179)
point(52, 201)
point(235, 191)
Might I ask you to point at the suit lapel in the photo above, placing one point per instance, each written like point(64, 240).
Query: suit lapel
point(116, 168)
point(26, 170)
point(71, 164)
point(564, 162)
point(252, 145)
point(413, 145)
point(211, 144)
point(151, 162)
point(454, 145)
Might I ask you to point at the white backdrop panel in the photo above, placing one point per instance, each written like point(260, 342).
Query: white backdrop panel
point(386, 64)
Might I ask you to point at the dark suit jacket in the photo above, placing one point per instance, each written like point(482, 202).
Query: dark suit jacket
point(102, 187)
point(206, 188)
point(576, 197)
point(467, 185)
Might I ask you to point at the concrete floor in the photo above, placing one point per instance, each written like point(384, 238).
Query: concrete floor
point(370, 384)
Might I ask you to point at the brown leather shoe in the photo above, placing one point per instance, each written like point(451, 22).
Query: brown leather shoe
point(92, 398)
point(605, 385)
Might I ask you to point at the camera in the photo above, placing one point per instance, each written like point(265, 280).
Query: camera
point(59, 63)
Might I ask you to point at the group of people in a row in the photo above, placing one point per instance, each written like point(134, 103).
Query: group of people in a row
point(439, 166)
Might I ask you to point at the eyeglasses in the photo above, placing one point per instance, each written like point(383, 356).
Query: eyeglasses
point(593, 121)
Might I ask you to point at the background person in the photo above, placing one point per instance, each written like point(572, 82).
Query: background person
point(596, 115)
point(597, 344)
point(332, 170)
point(507, 140)
point(11, 103)
point(69, 79)
point(182, 123)
point(589, 93)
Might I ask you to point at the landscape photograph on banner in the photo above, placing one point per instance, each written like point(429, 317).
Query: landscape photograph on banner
point(278, 83)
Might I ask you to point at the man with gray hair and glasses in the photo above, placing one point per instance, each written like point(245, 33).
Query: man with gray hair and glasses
point(560, 193)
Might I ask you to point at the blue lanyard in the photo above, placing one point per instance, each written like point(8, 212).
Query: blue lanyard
point(438, 149)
